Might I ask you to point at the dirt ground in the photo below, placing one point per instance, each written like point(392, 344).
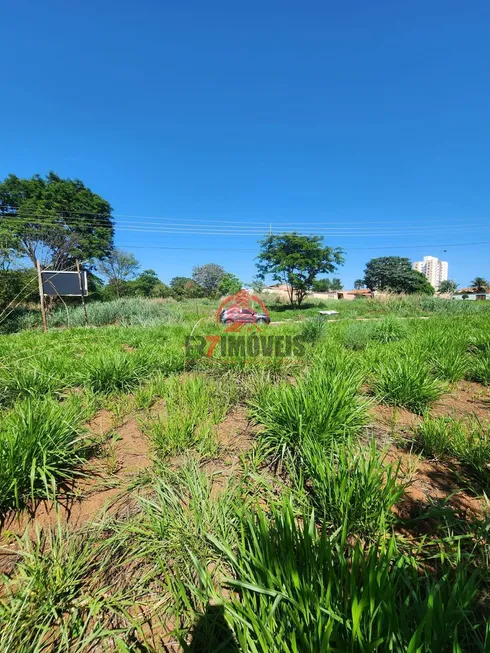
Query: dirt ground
point(126, 454)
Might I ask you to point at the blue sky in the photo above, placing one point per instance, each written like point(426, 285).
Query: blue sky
point(368, 120)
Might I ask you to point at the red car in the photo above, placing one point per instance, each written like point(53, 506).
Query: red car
point(243, 315)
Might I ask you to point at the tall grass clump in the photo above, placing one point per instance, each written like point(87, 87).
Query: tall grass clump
point(23, 380)
point(357, 336)
point(388, 330)
point(405, 380)
point(41, 444)
point(467, 440)
point(111, 370)
point(323, 405)
point(193, 407)
point(126, 311)
point(298, 590)
point(58, 597)
point(351, 485)
point(312, 330)
point(183, 510)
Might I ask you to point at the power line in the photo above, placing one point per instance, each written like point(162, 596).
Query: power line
point(240, 249)
point(184, 230)
point(265, 224)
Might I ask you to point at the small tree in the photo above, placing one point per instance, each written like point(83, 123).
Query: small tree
point(296, 260)
point(229, 284)
point(208, 276)
point(336, 284)
point(358, 284)
point(395, 274)
point(480, 284)
point(118, 268)
point(161, 290)
point(143, 285)
point(321, 285)
point(185, 288)
point(447, 286)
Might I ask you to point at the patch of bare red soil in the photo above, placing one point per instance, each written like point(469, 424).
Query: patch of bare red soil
point(466, 398)
point(102, 486)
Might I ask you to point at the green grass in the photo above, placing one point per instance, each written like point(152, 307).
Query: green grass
point(295, 589)
point(193, 407)
point(405, 380)
point(467, 440)
point(351, 485)
point(322, 405)
point(60, 598)
point(41, 444)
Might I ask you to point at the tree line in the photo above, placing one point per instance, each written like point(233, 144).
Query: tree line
point(57, 221)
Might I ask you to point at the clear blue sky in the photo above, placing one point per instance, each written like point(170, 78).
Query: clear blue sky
point(257, 113)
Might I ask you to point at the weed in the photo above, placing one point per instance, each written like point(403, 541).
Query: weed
point(323, 405)
point(41, 444)
point(406, 381)
point(351, 486)
point(466, 440)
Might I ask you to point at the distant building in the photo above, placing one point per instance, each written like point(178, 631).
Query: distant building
point(471, 293)
point(433, 269)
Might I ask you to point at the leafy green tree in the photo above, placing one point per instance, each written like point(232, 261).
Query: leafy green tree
point(17, 287)
point(230, 284)
point(54, 220)
point(118, 268)
point(185, 288)
point(161, 290)
point(321, 285)
point(296, 260)
point(480, 284)
point(336, 284)
point(208, 276)
point(395, 274)
point(358, 284)
point(144, 284)
point(447, 286)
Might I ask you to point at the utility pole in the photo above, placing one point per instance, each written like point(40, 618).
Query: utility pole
point(41, 296)
point(80, 282)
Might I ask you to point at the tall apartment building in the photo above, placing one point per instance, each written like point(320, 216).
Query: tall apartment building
point(433, 269)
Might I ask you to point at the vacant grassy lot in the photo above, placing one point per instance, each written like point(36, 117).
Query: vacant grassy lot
point(327, 493)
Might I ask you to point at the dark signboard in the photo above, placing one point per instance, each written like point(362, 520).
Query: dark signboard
point(64, 284)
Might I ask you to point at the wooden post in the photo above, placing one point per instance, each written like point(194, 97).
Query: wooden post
point(80, 281)
point(41, 296)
